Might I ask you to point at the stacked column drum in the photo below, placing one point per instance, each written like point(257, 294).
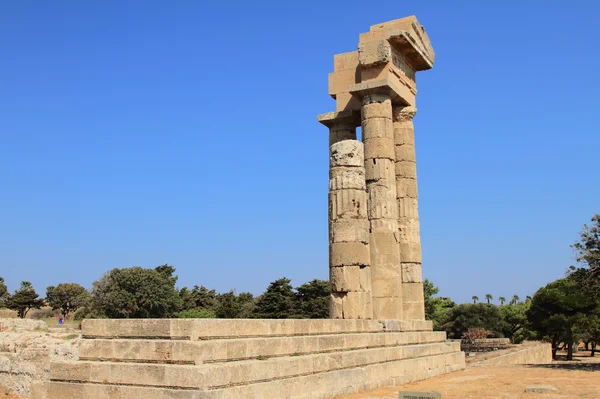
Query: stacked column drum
point(374, 239)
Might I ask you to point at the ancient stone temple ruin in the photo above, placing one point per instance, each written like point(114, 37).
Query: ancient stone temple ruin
point(374, 242)
point(377, 334)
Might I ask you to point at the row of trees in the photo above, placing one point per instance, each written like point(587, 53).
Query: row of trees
point(137, 292)
point(489, 297)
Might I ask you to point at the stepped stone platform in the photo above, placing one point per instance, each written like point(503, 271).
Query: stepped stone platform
point(238, 358)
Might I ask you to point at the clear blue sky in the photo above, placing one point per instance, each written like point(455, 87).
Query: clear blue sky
point(141, 133)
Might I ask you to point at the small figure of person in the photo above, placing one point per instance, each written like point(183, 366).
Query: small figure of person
point(60, 320)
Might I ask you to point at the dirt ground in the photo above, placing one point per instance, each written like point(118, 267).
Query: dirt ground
point(5, 394)
point(579, 378)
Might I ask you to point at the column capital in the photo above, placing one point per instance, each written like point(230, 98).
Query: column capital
point(403, 114)
point(342, 119)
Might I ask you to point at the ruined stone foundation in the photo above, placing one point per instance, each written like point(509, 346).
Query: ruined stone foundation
point(227, 359)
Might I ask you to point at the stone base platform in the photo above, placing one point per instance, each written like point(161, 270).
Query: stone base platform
point(235, 358)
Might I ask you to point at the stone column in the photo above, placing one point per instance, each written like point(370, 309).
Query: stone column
point(408, 214)
point(378, 137)
point(349, 255)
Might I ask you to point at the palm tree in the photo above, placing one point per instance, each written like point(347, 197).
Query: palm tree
point(527, 298)
point(514, 300)
point(502, 300)
point(489, 297)
point(475, 298)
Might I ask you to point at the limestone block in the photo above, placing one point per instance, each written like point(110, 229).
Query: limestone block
point(380, 170)
point(335, 305)
point(408, 208)
point(409, 231)
point(349, 230)
point(378, 109)
point(384, 226)
point(412, 292)
point(347, 102)
point(347, 153)
point(403, 135)
point(374, 52)
point(340, 81)
point(347, 204)
point(405, 153)
point(343, 177)
point(377, 127)
point(384, 249)
point(350, 278)
point(382, 202)
point(357, 305)
point(347, 60)
point(405, 169)
point(380, 148)
point(365, 279)
point(411, 252)
point(387, 308)
point(386, 280)
point(413, 310)
point(336, 136)
point(349, 254)
point(406, 188)
point(411, 272)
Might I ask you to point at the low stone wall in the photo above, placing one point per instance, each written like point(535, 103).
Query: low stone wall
point(530, 353)
point(485, 345)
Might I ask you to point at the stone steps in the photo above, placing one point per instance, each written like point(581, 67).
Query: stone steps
point(319, 385)
point(226, 359)
point(219, 375)
point(225, 350)
point(200, 329)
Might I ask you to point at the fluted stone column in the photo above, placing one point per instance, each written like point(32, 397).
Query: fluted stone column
point(378, 137)
point(349, 255)
point(408, 214)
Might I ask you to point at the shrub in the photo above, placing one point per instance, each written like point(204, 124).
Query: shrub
point(476, 333)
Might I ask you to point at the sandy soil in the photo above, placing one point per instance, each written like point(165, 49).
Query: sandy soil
point(579, 378)
point(5, 394)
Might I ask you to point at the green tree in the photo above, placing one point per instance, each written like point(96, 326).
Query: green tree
point(277, 302)
point(229, 306)
point(556, 309)
point(436, 308)
point(3, 292)
point(515, 322)
point(488, 297)
point(475, 298)
point(136, 292)
point(587, 255)
point(502, 300)
point(312, 299)
point(198, 297)
point(515, 299)
point(468, 316)
point(588, 331)
point(68, 297)
point(24, 299)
